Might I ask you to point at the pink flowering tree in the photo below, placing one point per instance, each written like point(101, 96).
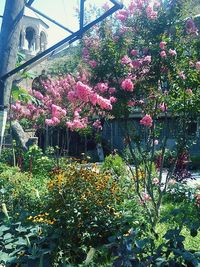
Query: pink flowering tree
point(148, 60)
point(69, 102)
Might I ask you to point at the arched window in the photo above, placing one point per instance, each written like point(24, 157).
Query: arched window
point(43, 41)
point(30, 37)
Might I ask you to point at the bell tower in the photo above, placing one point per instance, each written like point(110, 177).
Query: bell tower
point(33, 37)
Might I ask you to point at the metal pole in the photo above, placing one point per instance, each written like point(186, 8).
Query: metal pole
point(82, 14)
point(30, 2)
point(1, 95)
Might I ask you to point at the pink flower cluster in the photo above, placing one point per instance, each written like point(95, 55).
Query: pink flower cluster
point(60, 100)
point(134, 52)
point(102, 87)
point(52, 122)
point(191, 27)
point(83, 92)
point(137, 62)
point(163, 53)
point(127, 85)
point(137, 7)
point(29, 111)
point(97, 124)
point(145, 198)
point(122, 15)
point(78, 122)
point(197, 65)
point(182, 75)
point(146, 121)
point(126, 60)
point(163, 107)
point(151, 13)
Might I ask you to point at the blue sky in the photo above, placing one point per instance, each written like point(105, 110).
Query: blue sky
point(62, 11)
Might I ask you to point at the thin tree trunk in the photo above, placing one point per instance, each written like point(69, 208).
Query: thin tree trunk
point(9, 40)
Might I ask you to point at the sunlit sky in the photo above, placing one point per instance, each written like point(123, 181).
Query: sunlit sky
point(63, 11)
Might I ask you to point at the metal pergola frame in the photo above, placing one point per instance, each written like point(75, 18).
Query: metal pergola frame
point(58, 46)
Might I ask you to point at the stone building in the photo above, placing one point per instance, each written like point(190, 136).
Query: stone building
point(33, 36)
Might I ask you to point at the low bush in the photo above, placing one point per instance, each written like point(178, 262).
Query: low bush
point(21, 191)
point(115, 165)
point(83, 203)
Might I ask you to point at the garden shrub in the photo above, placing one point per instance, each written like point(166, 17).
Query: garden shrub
point(169, 157)
point(36, 162)
point(115, 165)
point(7, 156)
point(21, 191)
point(83, 204)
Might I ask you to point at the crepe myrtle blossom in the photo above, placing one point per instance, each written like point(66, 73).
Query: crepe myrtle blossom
point(17, 106)
point(132, 7)
point(156, 142)
point(97, 124)
point(163, 45)
point(106, 6)
point(197, 65)
point(147, 59)
point(151, 14)
point(137, 63)
point(37, 94)
point(145, 197)
point(155, 181)
point(156, 4)
point(189, 91)
point(126, 60)
point(102, 87)
point(163, 54)
point(125, 29)
point(146, 120)
point(58, 111)
point(112, 90)
point(163, 107)
point(127, 85)
point(122, 15)
point(60, 100)
point(52, 122)
point(134, 52)
point(113, 99)
point(191, 27)
point(182, 75)
point(77, 123)
point(131, 103)
point(172, 52)
point(92, 63)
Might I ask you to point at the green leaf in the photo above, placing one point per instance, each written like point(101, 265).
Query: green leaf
point(188, 256)
point(160, 261)
point(4, 228)
point(4, 257)
point(7, 236)
point(9, 246)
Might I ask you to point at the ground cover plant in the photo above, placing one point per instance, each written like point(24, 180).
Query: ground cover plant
point(131, 211)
